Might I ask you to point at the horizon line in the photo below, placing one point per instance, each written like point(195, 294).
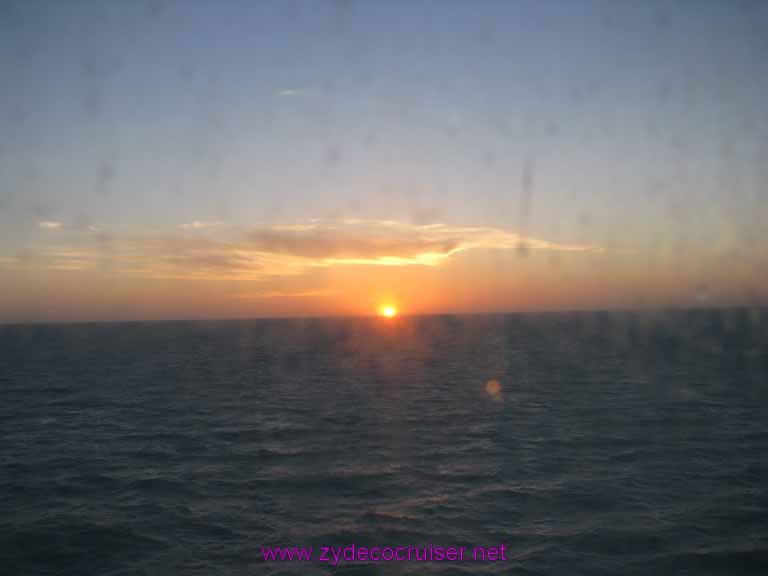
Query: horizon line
point(401, 315)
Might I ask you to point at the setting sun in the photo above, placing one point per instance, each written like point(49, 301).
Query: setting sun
point(388, 311)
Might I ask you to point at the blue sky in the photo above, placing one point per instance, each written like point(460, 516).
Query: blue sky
point(629, 125)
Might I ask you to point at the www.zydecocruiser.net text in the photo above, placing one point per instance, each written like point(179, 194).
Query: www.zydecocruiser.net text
point(353, 553)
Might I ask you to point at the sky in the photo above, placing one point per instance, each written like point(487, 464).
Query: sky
point(164, 160)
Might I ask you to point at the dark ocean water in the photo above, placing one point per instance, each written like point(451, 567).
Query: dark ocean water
point(619, 444)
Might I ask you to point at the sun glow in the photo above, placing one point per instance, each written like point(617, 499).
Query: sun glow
point(388, 311)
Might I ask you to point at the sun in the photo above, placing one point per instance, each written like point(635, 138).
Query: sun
point(388, 311)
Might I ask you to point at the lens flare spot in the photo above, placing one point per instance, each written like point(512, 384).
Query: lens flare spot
point(493, 389)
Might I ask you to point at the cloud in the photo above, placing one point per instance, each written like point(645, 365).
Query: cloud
point(79, 227)
point(282, 294)
point(289, 92)
point(185, 257)
point(68, 258)
point(200, 225)
point(50, 224)
point(210, 261)
point(392, 243)
point(347, 243)
point(288, 249)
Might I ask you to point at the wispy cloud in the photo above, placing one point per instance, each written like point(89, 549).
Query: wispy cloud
point(77, 227)
point(288, 92)
point(289, 249)
point(50, 224)
point(68, 258)
point(392, 243)
point(285, 294)
point(201, 224)
point(186, 257)
point(346, 242)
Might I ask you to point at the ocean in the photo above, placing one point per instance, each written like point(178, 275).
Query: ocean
point(585, 443)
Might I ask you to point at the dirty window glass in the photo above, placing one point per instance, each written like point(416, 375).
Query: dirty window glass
point(383, 287)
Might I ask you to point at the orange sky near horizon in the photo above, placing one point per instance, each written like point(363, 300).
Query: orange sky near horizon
point(311, 271)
